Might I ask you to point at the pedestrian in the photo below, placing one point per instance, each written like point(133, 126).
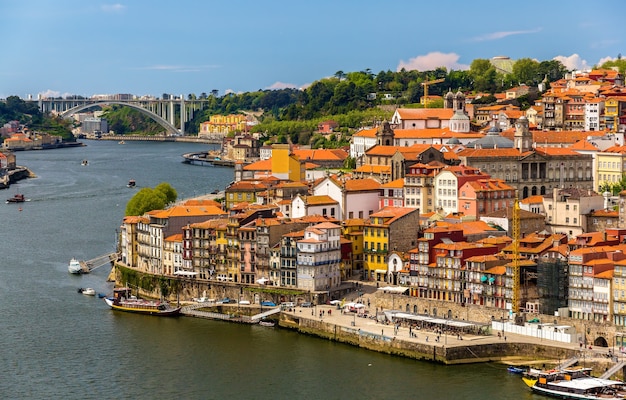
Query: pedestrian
point(329, 312)
point(368, 303)
point(427, 338)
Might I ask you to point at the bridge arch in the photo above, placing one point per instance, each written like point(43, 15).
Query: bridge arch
point(164, 123)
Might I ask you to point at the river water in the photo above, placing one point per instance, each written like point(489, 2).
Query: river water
point(58, 344)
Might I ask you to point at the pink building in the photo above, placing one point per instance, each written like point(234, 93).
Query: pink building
point(485, 196)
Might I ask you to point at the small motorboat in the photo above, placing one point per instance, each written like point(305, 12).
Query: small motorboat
point(17, 198)
point(516, 370)
point(74, 267)
point(121, 142)
point(87, 291)
point(84, 162)
point(267, 323)
point(131, 183)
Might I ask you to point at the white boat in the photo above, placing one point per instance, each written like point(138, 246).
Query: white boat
point(267, 323)
point(573, 383)
point(75, 267)
point(87, 291)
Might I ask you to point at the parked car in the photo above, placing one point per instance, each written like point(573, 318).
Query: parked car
point(306, 304)
point(288, 304)
point(268, 304)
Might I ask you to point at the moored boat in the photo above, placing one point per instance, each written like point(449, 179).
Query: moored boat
point(516, 370)
point(74, 267)
point(267, 323)
point(122, 300)
point(573, 383)
point(131, 183)
point(87, 291)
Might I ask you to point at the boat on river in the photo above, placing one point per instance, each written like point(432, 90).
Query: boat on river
point(123, 300)
point(87, 291)
point(74, 267)
point(17, 198)
point(573, 383)
point(131, 183)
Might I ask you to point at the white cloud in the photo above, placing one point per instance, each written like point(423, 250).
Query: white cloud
point(605, 59)
point(281, 85)
point(50, 93)
point(432, 61)
point(503, 34)
point(113, 8)
point(573, 62)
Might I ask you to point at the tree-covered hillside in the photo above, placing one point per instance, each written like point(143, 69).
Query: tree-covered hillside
point(27, 113)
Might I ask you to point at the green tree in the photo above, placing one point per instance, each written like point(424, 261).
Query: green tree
point(525, 71)
point(483, 75)
point(170, 193)
point(620, 63)
point(145, 200)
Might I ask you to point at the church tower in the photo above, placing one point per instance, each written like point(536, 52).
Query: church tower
point(523, 138)
point(384, 135)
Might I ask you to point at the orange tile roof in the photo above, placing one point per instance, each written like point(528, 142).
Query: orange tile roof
point(424, 113)
point(184, 211)
point(557, 151)
point(262, 165)
point(395, 184)
point(583, 145)
point(608, 274)
point(177, 237)
point(201, 202)
point(533, 199)
point(370, 133)
point(489, 153)
point(616, 149)
point(321, 154)
point(392, 213)
point(374, 169)
point(358, 185)
point(319, 200)
point(499, 270)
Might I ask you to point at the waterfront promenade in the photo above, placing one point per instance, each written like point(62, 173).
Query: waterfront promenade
point(449, 347)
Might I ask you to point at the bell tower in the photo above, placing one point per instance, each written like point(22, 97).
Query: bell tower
point(384, 135)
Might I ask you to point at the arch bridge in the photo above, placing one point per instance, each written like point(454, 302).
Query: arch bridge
point(161, 111)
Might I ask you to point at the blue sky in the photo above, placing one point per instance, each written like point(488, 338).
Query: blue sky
point(151, 47)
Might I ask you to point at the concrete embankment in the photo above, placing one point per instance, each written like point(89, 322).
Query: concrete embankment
point(448, 350)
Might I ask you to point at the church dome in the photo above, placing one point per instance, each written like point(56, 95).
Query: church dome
point(454, 141)
point(492, 140)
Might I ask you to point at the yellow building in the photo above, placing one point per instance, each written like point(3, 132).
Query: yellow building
point(243, 191)
point(286, 166)
point(611, 114)
point(223, 124)
point(396, 225)
point(352, 230)
point(611, 165)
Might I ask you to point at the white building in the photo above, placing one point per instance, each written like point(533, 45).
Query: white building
point(319, 257)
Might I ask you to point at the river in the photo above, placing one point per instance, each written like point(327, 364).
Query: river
point(58, 344)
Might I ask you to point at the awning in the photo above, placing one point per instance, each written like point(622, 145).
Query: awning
point(394, 289)
point(262, 280)
point(185, 273)
point(380, 271)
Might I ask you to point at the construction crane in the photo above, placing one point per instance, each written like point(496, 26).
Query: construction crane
point(516, 266)
point(425, 99)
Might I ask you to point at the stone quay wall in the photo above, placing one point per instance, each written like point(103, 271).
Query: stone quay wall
point(468, 353)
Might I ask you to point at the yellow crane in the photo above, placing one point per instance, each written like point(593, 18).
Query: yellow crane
point(425, 99)
point(516, 267)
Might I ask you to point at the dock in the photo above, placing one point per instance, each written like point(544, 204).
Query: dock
point(205, 158)
point(90, 265)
